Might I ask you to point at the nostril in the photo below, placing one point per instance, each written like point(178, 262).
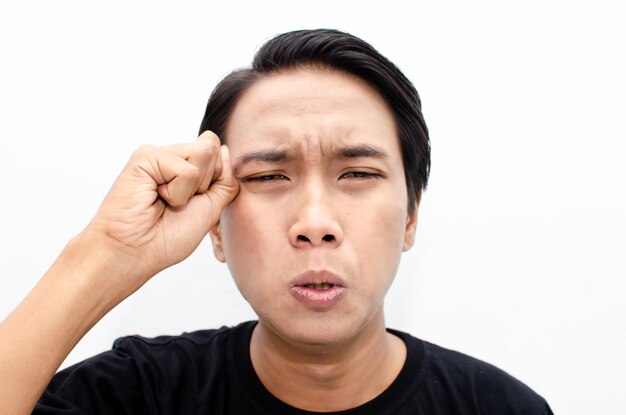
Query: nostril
point(325, 238)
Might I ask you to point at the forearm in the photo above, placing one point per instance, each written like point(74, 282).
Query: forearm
point(157, 212)
point(39, 334)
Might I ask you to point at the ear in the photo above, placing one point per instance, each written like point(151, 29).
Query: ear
point(411, 225)
point(216, 238)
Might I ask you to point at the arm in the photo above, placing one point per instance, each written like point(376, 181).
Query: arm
point(157, 212)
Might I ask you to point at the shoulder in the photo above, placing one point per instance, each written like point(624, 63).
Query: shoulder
point(495, 390)
point(146, 375)
point(472, 384)
point(195, 339)
point(189, 350)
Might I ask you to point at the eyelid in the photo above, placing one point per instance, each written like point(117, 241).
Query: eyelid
point(265, 177)
point(362, 173)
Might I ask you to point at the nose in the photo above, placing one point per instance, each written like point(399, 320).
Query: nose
point(315, 221)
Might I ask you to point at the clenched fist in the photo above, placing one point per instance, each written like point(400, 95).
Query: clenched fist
point(163, 204)
point(160, 207)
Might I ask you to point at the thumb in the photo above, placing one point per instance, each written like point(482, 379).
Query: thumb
point(225, 187)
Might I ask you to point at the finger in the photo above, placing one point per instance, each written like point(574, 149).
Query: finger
point(184, 149)
point(209, 144)
point(204, 154)
point(225, 188)
point(176, 178)
point(219, 165)
point(226, 177)
point(204, 210)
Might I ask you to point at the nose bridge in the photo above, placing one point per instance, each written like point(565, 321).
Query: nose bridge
point(315, 195)
point(316, 222)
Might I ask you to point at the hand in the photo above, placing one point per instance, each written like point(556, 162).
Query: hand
point(157, 212)
point(162, 205)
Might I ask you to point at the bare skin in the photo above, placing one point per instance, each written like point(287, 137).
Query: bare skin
point(322, 190)
point(328, 378)
point(159, 209)
point(271, 220)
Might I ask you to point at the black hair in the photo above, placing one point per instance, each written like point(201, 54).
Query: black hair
point(347, 53)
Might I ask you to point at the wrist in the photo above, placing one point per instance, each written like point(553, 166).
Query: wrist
point(97, 270)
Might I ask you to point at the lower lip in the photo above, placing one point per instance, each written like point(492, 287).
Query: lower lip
point(318, 298)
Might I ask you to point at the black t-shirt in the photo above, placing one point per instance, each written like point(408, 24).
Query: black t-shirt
point(210, 372)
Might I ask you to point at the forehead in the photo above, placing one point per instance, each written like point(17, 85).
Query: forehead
point(308, 109)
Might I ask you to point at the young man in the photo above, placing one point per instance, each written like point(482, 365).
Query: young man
point(310, 199)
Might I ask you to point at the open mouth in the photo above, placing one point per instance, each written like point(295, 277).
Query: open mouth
point(320, 287)
point(318, 280)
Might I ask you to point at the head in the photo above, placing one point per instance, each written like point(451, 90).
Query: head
point(345, 53)
point(332, 153)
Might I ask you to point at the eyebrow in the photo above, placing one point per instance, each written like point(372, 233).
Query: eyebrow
point(346, 152)
point(360, 150)
point(263, 156)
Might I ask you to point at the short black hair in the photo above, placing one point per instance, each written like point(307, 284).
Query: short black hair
point(347, 53)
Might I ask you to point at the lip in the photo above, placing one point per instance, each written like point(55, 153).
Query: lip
point(318, 298)
point(317, 277)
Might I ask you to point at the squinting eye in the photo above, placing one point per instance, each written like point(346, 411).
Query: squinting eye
point(267, 178)
point(359, 175)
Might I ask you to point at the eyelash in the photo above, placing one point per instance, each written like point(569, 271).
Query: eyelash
point(267, 178)
point(356, 175)
point(359, 175)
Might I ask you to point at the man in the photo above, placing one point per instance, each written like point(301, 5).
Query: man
point(307, 175)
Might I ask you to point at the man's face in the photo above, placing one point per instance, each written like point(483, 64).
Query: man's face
point(314, 238)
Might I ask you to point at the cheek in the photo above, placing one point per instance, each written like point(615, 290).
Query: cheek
point(239, 231)
point(381, 240)
point(383, 221)
point(247, 239)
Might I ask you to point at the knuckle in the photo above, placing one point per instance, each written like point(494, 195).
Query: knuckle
point(191, 172)
point(211, 136)
point(142, 151)
point(176, 203)
point(145, 148)
point(207, 149)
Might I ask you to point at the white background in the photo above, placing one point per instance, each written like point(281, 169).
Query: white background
point(519, 258)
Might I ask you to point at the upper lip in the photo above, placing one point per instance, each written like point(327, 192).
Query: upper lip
point(317, 277)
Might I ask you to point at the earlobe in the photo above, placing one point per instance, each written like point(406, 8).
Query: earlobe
point(411, 225)
point(216, 238)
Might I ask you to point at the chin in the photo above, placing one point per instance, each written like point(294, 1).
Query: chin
point(316, 328)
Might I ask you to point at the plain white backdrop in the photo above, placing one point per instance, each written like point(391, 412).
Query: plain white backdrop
point(519, 258)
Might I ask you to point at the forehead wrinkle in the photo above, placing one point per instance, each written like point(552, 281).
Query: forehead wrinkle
point(309, 121)
point(312, 151)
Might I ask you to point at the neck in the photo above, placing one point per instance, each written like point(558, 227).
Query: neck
point(332, 377)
